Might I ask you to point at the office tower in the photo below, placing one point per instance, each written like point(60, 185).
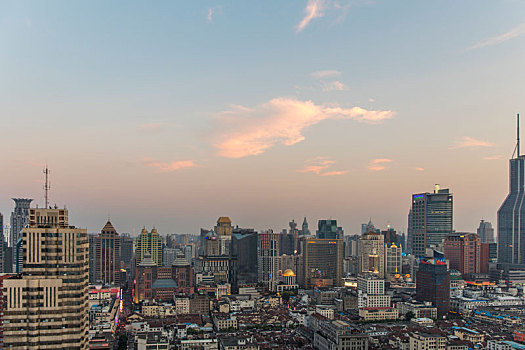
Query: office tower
point(92, 242)
point(126, 248)
point(371, 254)
point(390, 235)
point(365, 228)
point(463, 251)
point(47, 307)
point(168, 255)
point(486, 232)
point(19, 218)
point(107, 247)
point(223, 230)
point(433, 284)
point(305, 230)
point(244, 249)
point(351, 246)
point(268, 253)
point(322, 263)
point(327, 229)
point(287, 243)
point(149, 242)
point(393, 260)
point(511, 215)
point(430, 220)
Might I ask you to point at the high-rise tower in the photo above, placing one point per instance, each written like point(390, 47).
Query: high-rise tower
point(107, 247)
point(486, 232)
point(511, 214)
point(19, 219)
point(47, 306)
point(429, 220)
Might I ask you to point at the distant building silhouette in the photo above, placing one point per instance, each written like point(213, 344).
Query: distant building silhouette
point(486, 232)
point(19, 219)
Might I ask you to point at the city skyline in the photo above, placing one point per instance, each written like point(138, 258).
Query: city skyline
point(176, 114)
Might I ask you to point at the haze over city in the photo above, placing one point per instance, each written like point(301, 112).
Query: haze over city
point(171, 114)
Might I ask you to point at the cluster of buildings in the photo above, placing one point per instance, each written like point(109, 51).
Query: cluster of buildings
point(237, 288)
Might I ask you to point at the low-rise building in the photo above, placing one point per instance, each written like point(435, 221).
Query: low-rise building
point(378, 313)
point(419, 309)
point(427, 341)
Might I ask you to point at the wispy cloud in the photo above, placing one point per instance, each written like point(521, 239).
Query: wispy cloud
point(167, 167)
point(314, 9)
point(251, 131)
point(495, 157)
point(420, 169)
point(469, 142)
point(326, 74)
point(333, 86)
point(149, 128)
point(212, 11)
point(495, 40)
point(319, 165)
point(379, 164)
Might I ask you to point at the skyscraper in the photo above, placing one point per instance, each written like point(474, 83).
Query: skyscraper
point(393, 260)
point(371, 254)
point(19, 219)
point(327, 229)
point(463, 251)
point(268, 253)
point(429, 220)
point(486, 232)
point(107, 246)
point(244, 250)
point(149, 242)
point(433, 284)
point(322, 263)
point(47, 307)
point(223, 230)
point(305, 230)
point(511, 214)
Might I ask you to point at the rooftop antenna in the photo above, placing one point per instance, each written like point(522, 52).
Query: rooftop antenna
point(47, 186)
point(518, 131)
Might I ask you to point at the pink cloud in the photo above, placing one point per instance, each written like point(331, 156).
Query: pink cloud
point(314, 9)
point(334, 86)
point(251, 131)
point(169, 167)
point(469, 142)
point(378, 164)
point(420, 169)
point(318, 165)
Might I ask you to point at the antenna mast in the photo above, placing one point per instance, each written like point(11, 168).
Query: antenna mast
point(47, 186)
point(518, 130)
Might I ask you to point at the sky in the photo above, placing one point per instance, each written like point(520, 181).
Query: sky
point(171, 113)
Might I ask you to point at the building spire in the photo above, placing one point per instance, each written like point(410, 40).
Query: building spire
point(518, 135)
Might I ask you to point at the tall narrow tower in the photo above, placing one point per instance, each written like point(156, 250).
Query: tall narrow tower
point(511, 214)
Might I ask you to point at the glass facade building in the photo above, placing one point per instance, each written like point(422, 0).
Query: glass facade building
point(429, 220)
point(511, 226)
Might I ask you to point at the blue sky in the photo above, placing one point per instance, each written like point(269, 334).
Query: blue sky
point(174, 113)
